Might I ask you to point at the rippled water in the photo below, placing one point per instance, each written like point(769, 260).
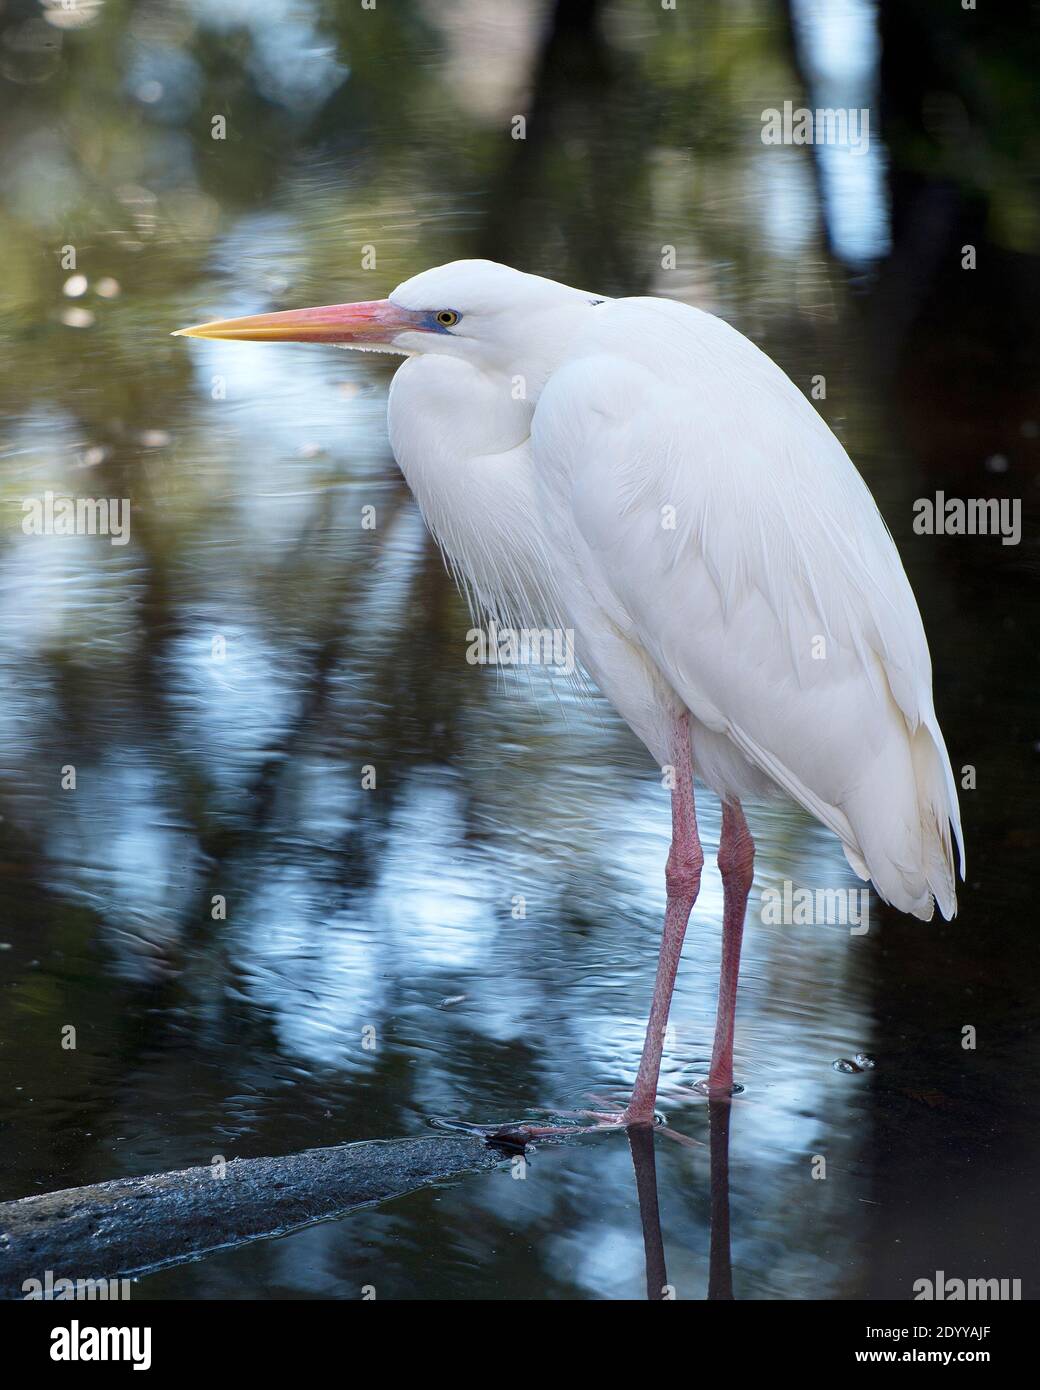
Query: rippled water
point(221, 683)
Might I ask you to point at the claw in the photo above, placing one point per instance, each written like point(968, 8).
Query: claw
point(683, 1139)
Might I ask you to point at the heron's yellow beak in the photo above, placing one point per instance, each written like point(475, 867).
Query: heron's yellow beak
point(370, 323)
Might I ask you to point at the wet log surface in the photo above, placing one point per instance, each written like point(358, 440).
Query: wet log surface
point(131, 1225)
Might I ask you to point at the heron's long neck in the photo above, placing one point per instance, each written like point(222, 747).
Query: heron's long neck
point(461, 439)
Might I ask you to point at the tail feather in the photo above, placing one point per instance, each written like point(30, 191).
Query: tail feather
point(937, 798)
point(908, 854)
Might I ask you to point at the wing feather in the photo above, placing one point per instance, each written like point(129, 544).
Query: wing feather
point(729, 537)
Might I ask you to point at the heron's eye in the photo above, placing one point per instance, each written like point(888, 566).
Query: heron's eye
point(447, 318)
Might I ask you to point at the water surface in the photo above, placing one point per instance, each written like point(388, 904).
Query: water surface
point(254, 946)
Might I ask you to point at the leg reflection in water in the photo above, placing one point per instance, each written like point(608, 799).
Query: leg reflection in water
point(720, 1274)
point(641, 1142)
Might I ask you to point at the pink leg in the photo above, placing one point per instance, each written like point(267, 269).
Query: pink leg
point(683, 879)
point(736, 864)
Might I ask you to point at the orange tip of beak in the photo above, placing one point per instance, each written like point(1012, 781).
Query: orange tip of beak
point(374, 321)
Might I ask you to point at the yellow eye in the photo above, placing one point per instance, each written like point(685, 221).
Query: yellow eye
point(447, 318)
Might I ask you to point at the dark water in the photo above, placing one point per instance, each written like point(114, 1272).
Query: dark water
point(221, 682)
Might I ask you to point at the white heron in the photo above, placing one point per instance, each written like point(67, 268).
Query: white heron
point(638, 471)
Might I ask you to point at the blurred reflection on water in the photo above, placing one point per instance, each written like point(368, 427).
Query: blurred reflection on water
point(221, 683)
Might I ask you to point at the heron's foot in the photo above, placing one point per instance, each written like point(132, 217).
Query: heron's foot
point(514, 1135)
point(625, 1119)
point(640, 1110)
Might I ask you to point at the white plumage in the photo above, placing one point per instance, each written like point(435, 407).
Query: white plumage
point(638, 470)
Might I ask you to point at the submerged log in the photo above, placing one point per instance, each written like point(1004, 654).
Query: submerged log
point(132, 1225)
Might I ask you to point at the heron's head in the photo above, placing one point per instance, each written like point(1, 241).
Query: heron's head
point(488, 313)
